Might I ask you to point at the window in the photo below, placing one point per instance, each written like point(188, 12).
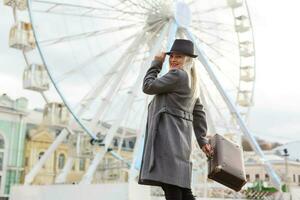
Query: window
point(82, 164)
point(131, 144)
point(61, 161)
point(248, 177)
point(40, 156)
point(294, 178)
point(115, 142)
point(267, 178)
point(256, 177)
point(124, 144)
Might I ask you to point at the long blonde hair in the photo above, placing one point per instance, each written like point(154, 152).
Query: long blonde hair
point(190, 68)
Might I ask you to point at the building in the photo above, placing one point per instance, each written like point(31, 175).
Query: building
point(37, 142)
point(288, 170)
point(12, 136)
point(40, 138)
point(26, 134)
point(42, 133)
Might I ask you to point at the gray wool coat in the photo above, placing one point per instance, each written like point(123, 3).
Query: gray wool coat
point(172, 117)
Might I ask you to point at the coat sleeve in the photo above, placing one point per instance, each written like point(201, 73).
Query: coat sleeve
point(164, 84)
point(199, 123)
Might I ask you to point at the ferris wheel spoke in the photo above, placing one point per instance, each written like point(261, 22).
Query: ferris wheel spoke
point(133, 91)
point(227, 76)
point(212, 22)
point(88, 16)
point(93, 59)
point(219, 29)
point(125, 106)
point(133, 88)
point(139, 5)
point(85, 35)
point(116, 9)
point(192, 2)
point(214, 108)
point(210, 122)
point(90, 96)
point(123, 6)
point(217, 51)
point(213, 35)
point(219, 41)
point(106, 106)
point(151, 4)
point(207, 30)
point(213, 103)
point(82, 9)
point(111, 48)
point(115, 86)
point(203, 12)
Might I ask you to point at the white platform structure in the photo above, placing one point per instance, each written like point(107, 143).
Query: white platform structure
point(75, 192)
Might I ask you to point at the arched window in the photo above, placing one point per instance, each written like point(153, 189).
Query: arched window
point(41, 154)
point(61, 161)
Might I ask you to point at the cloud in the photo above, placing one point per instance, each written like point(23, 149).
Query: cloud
point(275, 123)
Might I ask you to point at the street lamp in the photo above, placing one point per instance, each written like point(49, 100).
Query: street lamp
point(286, 155)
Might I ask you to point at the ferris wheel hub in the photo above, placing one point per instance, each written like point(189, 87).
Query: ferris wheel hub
point(182, 14)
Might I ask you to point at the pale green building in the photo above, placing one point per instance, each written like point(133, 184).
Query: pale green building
point(12, 139)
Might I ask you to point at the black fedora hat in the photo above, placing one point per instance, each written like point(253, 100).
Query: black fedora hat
point(183, 46)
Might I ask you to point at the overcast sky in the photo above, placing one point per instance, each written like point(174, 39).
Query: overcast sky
point(276, 113)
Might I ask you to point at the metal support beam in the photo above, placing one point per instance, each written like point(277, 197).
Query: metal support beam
point(117, 156)
point(62, 177)
point(203, 59)
point(211, 125)
point(104, 105)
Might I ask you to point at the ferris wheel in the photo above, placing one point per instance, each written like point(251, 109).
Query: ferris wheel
point(106, 47)
point(96, 53)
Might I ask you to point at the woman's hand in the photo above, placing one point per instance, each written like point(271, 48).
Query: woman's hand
point(208, 150)
point(160, 57)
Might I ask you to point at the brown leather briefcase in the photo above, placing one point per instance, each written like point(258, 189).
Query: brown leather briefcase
point(227, 164)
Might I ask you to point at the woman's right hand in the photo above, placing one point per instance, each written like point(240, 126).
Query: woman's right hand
point(208, 150)
point(160, 57)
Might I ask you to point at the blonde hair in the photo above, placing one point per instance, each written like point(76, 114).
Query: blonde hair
point(190, 68)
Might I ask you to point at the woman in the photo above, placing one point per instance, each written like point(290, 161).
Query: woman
point(172, 115)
